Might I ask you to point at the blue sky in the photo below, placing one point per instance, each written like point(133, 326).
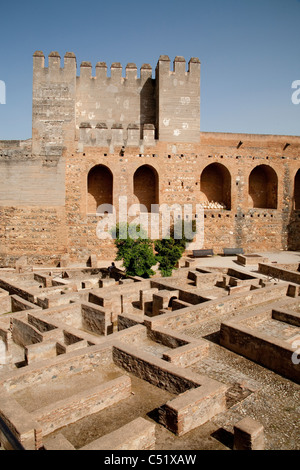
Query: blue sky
point(249, 52)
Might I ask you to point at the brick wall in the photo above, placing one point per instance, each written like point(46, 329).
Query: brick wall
point(46, 208)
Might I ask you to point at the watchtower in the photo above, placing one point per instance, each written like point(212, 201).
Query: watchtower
point(111, 109)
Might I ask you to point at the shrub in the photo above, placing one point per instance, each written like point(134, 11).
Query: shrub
point(170, 250)
point(135, 249)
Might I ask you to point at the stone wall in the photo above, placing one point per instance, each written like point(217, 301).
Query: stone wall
point(136, 435)
point(278, 272)
point(216, 308)
point(264, 348)
point(82, 404)
point(137, 129)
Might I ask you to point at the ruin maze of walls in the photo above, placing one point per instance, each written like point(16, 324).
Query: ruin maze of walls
point(84, 353)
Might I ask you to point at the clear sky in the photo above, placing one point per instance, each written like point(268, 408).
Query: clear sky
point(249, 52)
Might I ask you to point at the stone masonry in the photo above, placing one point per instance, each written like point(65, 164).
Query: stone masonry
point(98, 136)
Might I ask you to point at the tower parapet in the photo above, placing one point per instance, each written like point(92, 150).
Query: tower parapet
point(114, 99)
point(178, 97)
point(53, 103)
point(132, 106)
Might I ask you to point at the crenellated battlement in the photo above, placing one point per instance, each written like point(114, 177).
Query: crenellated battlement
point(65, 96)
point(116, 69)
point(102, 71)
point(54, 62)
point(179, 65)
point(116, 72)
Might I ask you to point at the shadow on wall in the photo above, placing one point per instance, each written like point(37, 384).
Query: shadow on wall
point(216, 184)
point(263, 187)
point(294, 223)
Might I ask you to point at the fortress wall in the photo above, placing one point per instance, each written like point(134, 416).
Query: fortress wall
point(179, 168)
point(109, 122)
point(65, 224)
point(37, 232)
point(27, 181)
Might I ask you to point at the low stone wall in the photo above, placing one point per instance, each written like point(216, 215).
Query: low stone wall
point(40, 351)
point(24, 334)
point(18, 304)
point(119, 298)
point(194, 407)
point(136, 435)
point(69, 314)
point(248, 435)
point(279, 273)
point(185, 350)
point(186, 355)
point(5, 301)
point(293, 318)
point(128, 321)
point(251, 259)
point(217, 308)
point(80, 405)
point(271, 352)
point(57, 442)
point(60, 368)
point(44, 279)
point(200, 398)
point(156, 371)
point(95, 319)
point(18, 429)
point(168, 337)
point(146, 300)
point(14, 289)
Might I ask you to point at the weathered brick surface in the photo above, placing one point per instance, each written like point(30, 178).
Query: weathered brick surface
point(136, 435)
point(248, 435)
point(82, 404)
point(82, 122)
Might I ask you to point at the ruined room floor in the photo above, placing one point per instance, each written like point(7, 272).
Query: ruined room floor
point(144, 401)
point(253, 390)
point(41, 395)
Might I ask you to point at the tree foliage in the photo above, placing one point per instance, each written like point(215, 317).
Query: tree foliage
point(137, 253)
point(135, 249)
point(170, 250)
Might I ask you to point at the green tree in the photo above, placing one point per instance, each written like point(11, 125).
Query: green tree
point(135, 249)
point(170, 250)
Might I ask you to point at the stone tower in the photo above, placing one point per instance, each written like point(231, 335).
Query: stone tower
point(112, 109)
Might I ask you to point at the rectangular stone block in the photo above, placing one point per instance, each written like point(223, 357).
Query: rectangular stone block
point(248, 435)
point(194, 407)
point(136, 435)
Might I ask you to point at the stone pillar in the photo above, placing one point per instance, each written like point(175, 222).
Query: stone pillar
point(248, 435)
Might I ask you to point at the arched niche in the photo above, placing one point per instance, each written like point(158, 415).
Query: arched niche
point(146, 187)
point(99, 189)
point(215, 185)
point(263, 187)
